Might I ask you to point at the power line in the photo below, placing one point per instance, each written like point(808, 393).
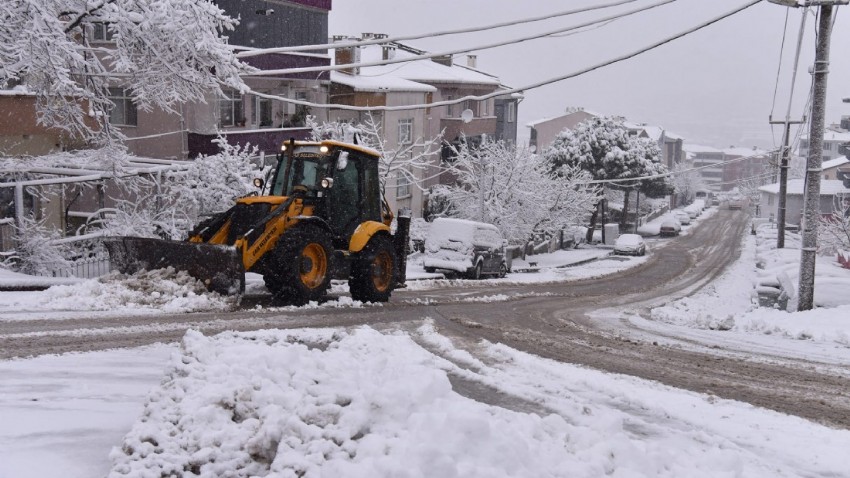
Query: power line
point(510, 91)
point(779, 69)
point(427, 56)
point(377, 41)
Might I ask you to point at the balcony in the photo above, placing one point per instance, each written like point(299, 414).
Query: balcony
point(266, 139)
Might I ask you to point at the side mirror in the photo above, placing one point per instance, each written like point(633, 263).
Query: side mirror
point(259, 183)
point(327, 183)
point(342, 160)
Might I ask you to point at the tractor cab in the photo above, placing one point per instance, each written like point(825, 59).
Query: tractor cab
point(339, 180)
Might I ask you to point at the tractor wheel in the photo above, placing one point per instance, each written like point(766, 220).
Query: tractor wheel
point(302, 266)
point(373, 271)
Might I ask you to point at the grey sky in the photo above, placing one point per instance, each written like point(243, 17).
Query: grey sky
point(713, 87)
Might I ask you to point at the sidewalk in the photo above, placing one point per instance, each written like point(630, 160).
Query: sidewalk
point(559, 259)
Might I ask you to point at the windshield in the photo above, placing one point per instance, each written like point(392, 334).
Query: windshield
point(306, 169)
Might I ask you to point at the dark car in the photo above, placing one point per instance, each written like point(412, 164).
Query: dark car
point(474, 249)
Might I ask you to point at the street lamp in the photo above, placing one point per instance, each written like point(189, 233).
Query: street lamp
point(814, 163)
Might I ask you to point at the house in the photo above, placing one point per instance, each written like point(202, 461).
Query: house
point(750, 165)
point(545, 130)
point(830, 192)
point(710, 160)
point(830, 168)
point(836, 141)
point(421, 82)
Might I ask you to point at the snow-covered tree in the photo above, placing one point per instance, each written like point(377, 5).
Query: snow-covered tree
point(36, 251)
point(165, 52)
point(603, 147)
point(514, 189)
point(834, 228)
point(687, 182)
point(171, 207)
point(414, 160)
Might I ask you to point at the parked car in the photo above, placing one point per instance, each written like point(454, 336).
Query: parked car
point(630, 245)
point(670, 227)
point(474, 249)
point(683, 217)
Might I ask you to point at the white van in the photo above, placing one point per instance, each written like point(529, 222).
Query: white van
point(474, 249)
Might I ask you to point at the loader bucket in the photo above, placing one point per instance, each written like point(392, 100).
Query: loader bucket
point(218, 267)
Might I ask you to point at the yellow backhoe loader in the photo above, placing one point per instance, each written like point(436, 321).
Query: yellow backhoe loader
point(321, 216)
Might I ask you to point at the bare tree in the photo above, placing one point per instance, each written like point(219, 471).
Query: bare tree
point(835, 227)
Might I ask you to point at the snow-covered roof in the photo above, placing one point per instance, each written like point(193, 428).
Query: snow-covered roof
point(532, 124)
point(427, 71)
point(19, 90)
point(828, 187)
point(377, 84)
point(831, 135)
point(699, 148)
point(834, 163)
point(737, 151)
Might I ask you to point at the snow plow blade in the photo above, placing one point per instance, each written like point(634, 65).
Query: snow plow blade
point(218, 267)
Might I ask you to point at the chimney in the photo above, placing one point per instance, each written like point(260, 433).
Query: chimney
point(345, 56)
point(472, 61)
point(388, 52)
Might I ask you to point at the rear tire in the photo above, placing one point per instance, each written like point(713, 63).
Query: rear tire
point(302, 266)
point(430, 270)
point(373, 271)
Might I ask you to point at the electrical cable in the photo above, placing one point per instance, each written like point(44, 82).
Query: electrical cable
point(377, 41)
point(778, 71)
point(428, 56)
point(510, 91)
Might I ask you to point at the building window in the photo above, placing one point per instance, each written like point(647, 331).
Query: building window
point(484, 107)
point(101, 32)
point(510, 116)
point(405, 131)
point(827, 146)
point(230, 108)
point(262, 114)
point(450, 109)
point(123, 112)
point(402, 184)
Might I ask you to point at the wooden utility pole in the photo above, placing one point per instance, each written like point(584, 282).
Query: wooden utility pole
point(811, 202)
point(783, 179)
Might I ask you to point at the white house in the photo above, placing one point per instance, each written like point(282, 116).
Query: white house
point(832, 192)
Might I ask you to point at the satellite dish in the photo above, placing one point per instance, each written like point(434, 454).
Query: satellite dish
point(467, 115)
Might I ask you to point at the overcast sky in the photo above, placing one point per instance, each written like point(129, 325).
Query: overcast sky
point(713, 87)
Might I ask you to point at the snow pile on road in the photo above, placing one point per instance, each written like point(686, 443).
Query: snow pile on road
point(161, 290)
point(325, 402)
point(730, 303)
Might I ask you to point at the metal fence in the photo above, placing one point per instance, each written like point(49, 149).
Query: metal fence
point(87, 268)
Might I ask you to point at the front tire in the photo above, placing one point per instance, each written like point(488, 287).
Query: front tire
point(373, 271)
point(475, 273)
point(503, 270)
point(302, 266)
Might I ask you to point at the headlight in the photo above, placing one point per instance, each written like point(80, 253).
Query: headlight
point(323, 149)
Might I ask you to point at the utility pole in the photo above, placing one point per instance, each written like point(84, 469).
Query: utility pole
point(783, 179)
point(811, 202)
point(814, 163)
point(786, 138)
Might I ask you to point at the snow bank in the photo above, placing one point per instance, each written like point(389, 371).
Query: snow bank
point(162, 290)
point(324, 403)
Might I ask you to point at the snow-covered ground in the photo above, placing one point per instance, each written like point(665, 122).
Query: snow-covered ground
point(366, 402)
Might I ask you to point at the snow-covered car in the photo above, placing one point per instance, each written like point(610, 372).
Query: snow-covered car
point(683, 217)
point(630, 245)
point(670, 227)
point(473, 249)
